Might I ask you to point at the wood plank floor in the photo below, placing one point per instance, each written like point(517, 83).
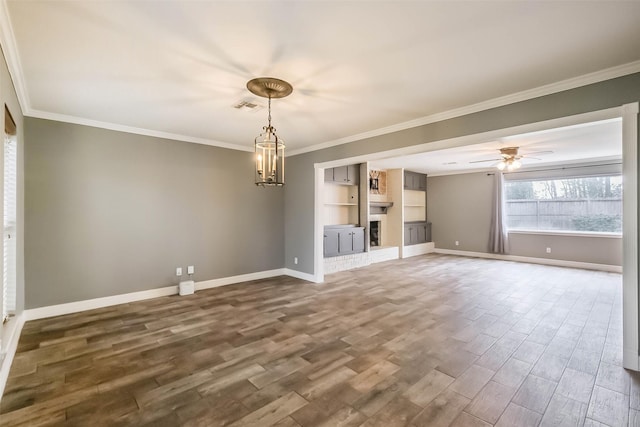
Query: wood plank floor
point(430, 341)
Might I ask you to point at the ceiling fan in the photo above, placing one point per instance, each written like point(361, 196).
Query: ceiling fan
point(510, 159)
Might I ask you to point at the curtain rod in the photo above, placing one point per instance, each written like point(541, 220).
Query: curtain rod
point(561, 168)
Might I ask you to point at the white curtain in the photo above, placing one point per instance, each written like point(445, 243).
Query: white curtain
point(499, 238)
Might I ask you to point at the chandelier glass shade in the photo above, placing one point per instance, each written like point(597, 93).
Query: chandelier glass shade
point(269, 148)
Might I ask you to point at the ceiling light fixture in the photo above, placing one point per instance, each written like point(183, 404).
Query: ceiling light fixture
point(269, 148)
point(509, 164)
point(510, 159)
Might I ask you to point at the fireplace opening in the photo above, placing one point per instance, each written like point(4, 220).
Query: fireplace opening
point(374, 233)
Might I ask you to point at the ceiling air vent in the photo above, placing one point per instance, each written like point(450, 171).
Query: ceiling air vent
point(247, 106)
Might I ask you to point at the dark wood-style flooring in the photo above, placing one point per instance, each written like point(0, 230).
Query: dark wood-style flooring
point(428, 341)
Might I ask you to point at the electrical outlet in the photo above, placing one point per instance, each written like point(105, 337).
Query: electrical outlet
point(548, 250)
point(295, 260)
point(179, 271)
point(191, 269)
point(457, 243)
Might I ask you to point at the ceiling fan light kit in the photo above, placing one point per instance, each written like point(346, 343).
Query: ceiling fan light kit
point(269, 148)
point(509, 165)
point(510, 159)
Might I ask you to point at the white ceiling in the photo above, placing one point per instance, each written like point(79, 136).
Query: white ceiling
point(175, 68)
point(586, 143)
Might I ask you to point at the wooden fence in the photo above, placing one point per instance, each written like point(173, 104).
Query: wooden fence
point(561, 214)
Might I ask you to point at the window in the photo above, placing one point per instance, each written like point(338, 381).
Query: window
point(582, 204)
point(10, 183)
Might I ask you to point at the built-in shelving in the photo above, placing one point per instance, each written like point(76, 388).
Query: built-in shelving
point(340, 204)
point(415, 205)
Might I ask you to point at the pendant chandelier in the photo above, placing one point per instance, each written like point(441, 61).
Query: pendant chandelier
point(269, 148)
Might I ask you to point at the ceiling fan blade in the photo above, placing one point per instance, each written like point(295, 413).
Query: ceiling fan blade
point(483, 161)
point(537, 152)
point(532, 158)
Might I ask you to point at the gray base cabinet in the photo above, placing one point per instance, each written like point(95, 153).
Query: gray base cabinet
point(343, 240)
point(417, 232)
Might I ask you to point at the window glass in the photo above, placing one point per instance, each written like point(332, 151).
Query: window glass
point(584, 204)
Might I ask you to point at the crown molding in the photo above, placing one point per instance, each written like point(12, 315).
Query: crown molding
point(134, 130)
point(9, 46)
point(10, 49)
point(11, 54)
point(572, 83)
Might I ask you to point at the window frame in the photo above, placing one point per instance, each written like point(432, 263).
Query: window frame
point(569, 172)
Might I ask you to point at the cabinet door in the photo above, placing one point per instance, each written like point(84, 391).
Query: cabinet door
point(328, 175)
point(408, 180)
point(345, 241)
point(407, 235)
point(358, 239)
point(353, 174)
point(422, 182)
point(340, 174)
point(330, 243)
point(422, 233)
point(414, 234)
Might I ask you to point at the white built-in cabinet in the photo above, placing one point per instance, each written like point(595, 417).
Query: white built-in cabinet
point(340, 204)
point(415, 205)
point(343, 234)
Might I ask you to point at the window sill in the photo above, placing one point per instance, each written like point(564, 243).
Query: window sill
point(568, 233)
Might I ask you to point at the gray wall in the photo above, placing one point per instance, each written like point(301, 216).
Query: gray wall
point(459, 207)
point(299, 205)
point(109, 213)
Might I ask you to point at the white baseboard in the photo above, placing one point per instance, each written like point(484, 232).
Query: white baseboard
point(90, 304)
point(300, 275)
point(10, 349)
point(224, 281)
point(77, 306)
point(630, 359)
point(419, 249)
point(531, 260)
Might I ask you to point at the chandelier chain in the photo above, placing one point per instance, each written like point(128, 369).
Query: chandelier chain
point(269, 111)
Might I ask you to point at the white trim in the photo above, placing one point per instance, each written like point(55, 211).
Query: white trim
point(531, 260)
point(224, 281)
point(478, 138)
point(77, 306)
point(419, 249)
point(12, 346)
point(586, 79)
point(630, 317)
point(568, 233)
point(318, 225)
point(134, 130)
point(300, 275)
point(12, 57)
point(90, 304)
